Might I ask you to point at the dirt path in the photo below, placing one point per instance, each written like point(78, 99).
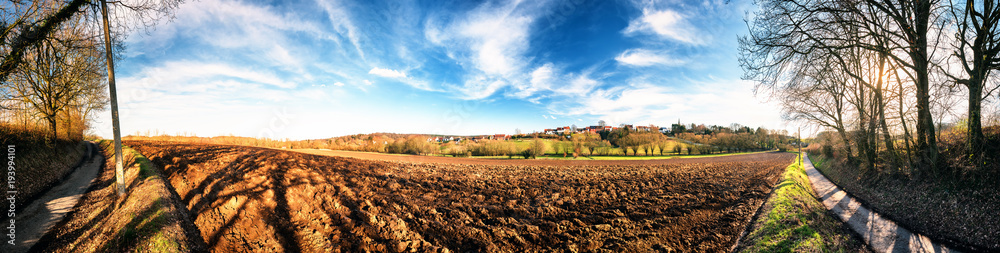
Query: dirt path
point(39, 216)
point(536, 162)
point(881, 234)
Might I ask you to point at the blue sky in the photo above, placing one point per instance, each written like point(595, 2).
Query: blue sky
point(317, 69)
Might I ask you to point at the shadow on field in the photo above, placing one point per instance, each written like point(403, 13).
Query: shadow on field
point(225, 194)
point(267, 200)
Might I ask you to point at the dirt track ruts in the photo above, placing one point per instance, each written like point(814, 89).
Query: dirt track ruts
point(257, 199)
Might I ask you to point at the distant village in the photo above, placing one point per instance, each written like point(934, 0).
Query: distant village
point(560, 131)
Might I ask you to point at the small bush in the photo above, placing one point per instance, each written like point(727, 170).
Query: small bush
point(827, 151)
point(537, 148)
point(494, 148)
point(458, 151)
point(416, 145)
point(786, 147)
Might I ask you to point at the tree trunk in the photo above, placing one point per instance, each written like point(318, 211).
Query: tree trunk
point(880, 102)
point(847, 144)
point(974, 138)
point(52, 126)
point(926, 139)
point(907, 138)
point(890, 147)
point(69, 125)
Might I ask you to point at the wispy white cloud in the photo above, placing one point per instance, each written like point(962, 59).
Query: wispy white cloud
point(541, 79)
point(667, 24)
point(480, 87)
point(183, 75)
point(341, 20)
point(492, 38)
point(387, 73)
point(338, 84)
point(580, 85)
point(491, 42)
point(643, 57)
point(231, 24)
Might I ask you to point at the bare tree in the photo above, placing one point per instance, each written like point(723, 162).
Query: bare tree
point(57, 72)
point(24, 28)
point(795, 45)
point(978, 48)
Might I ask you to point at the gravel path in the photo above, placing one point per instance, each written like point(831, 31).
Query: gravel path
point(881, 234)
point(43, 213)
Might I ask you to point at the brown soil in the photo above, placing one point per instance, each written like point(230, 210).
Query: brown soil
point(267, 200)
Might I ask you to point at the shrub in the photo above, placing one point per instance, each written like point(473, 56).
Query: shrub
point(537, 148)
point(494, 148)
point(827, 151)
point(458, 151)
point(786, 147)
point(416, 145)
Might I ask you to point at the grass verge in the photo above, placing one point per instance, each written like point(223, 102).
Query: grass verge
point(149, 217)
point(794, 220)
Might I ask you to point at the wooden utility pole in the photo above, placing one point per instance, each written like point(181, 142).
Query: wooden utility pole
point(799, 143)
point(119, 171)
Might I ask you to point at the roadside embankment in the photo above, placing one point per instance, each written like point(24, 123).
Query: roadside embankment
point(38, 163)
point(147, 218)
point(793, 220)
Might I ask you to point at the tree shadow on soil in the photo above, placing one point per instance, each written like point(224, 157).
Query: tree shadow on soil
point(216, 190)
point(141, 227)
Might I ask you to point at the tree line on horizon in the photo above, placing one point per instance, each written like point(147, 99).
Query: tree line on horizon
point(693, 139)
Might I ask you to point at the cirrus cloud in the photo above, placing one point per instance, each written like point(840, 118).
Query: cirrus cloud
point(387, 73)
point(667, 24)
point(642, 57)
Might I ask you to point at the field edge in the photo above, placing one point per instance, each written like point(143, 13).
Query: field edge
point(794, 220)
point(149, 218)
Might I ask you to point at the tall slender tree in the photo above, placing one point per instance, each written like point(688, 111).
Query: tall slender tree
point(978, 49)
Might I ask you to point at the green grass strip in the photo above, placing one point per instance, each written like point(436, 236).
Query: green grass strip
point(797, 221)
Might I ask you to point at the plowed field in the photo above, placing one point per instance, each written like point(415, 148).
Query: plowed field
point(266, 200)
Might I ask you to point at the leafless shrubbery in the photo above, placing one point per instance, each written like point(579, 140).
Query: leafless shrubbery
point(494, 148)
point(417, 145)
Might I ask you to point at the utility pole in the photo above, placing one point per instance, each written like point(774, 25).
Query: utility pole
point(119, 171)
point(799, 143)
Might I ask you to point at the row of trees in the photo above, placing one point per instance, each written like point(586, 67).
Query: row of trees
point(877, 72)
point(57, 77)
point(52, 51)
